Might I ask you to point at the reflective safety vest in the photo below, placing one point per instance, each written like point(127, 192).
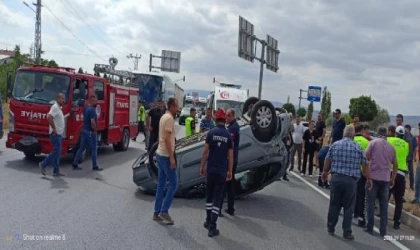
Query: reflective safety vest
point(189, 126)
point(141, 114)
point(401, 151)
point(363, 143)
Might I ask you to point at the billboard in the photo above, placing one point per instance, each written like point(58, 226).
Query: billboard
point(171, 61)
point(314, 93)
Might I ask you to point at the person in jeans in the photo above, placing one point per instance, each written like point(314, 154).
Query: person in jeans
point(401, 146)
point(338, 127)
point(410, 159)
point(380, 155)
point(299, 129)
point(321, 158)
point(344, 159)
point(152, 123)
point(310, 145)
point(218, 153)
point(416, 199)
point(56, 121)
point(165, 157)
point(321, 129)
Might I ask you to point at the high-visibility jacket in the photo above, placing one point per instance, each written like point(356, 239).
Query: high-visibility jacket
point(363, 143)
point(189, 126)
point(401, 151)
point(141, 114)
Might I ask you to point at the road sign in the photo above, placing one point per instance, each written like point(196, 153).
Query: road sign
point(246, 40)
point(314, 93)
point(272, 54)
point(171, 61)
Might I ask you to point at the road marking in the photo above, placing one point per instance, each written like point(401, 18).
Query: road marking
point(396, 243)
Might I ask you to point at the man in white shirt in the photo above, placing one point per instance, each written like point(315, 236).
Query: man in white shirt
point(57, 126)
point(299, 129)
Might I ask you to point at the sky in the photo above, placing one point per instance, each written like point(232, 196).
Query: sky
point(368, 47)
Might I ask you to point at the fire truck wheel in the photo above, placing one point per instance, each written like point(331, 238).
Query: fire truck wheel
point(30, 155)
point(124, 143)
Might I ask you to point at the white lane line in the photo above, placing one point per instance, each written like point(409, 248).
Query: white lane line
point(396, 243)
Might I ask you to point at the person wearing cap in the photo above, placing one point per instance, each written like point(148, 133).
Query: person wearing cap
point(218, 153)
point(190, 123)
point(411, 155)
point(396, 139)
point(338, 127)
point(380, 154)
point(359, 210)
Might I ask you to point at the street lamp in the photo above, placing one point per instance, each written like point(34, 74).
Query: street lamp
point(27, 5)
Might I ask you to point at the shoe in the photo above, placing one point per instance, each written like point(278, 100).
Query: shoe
point(213, 233)
point(206, 225)
point(221, 215)
point(286, 178)
point(331, 233)
point(396, 226)
point(361, 223)
point(97, 169)
point(42, 169)
point(310, 176)
point(349, 237)
point(144, 140)
point(166, 218)
point(229, 213)
point(156, 217)
point(58, 175)
point(134, 139)
point(76, 167)
point(368, 231)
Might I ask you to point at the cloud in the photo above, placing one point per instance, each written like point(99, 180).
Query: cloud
point(353, 48)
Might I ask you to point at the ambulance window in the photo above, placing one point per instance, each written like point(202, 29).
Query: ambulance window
point(98, 88)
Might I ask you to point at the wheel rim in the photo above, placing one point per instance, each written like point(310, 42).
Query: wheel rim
point(264, 117)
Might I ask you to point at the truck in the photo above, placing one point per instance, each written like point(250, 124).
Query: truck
point(227, 96)
point(179, 95)
point(34, 91)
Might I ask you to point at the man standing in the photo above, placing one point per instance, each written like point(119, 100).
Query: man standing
point(338, 127)
point(417, 180)
point(309, 146)
point(207, 122)
point(399, 121)
point(141, 116)
point(233, 128)
point(344, 158)
point(355, 121)
point(165, 157)
point(381, 155)
point(89, 135)
point(413, 148)
point(217, 151)
point(190, 123)
point(359, 210)
point(321, 129)
point(396, 139)
point(299, 129)
point(56, 121)
point(152, 123)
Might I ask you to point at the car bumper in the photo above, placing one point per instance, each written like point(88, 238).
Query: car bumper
point(38, 145)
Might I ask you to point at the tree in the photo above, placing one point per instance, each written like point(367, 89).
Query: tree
point(364, 107)
point(52, 63)
point(310, 112)
point(347, 118)
point(329, 121)
point(381, 118)
point(80, 71)
point(301, 112)
point(326, 103)
point(290, 108)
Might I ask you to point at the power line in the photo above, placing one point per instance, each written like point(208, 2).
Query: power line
point(99, 33)
point(71, 32)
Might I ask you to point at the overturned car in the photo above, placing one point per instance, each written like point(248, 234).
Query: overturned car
point(262, 154)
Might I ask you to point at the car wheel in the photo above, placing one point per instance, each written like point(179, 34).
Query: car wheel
point(152, 157)
point(249, 103)
point(263, 120)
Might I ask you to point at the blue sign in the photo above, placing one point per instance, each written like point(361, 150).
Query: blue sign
point(314, 93)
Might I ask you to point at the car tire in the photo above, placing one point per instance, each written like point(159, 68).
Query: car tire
point(263, 121)
point(30, 156)
point(152, 157)
point(249, 103)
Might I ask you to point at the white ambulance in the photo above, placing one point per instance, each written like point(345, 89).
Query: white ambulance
point(227, 96)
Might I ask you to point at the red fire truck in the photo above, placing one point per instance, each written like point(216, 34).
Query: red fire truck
point(35, 90)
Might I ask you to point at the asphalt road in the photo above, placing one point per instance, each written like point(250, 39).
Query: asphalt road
point(106, 211)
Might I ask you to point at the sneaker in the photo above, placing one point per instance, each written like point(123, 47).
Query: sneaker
point(301, 174)
point(213, 233)
point(368, 231)
point(396, 226)
point(286, 178)
point(97, 169)
point(349, 237)
point(206, 225)
point(156, 217)
point(229, 213)
point(58, 175)
point(310, 176)
point(42, 169)
point(166, 218)
point(361, 223)
point(76, 167)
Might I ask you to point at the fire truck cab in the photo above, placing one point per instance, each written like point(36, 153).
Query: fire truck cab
point(34, 91)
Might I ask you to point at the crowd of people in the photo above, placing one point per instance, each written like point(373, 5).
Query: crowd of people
point(363, 169)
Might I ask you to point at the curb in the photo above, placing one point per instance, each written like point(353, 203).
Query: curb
point(406, 218)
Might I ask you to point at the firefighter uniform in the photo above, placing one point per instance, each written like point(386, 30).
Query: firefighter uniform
point(219, 142)
point(401, 150)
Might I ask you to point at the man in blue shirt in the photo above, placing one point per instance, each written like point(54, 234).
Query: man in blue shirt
point(233, 128)
point(413, 148)
point(207, 123)
point(218, 153)
point(338, 127)
point(89, 136)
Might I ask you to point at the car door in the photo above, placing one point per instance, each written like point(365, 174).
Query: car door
point(98, 89)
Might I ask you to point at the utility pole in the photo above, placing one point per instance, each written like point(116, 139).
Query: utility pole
point(300, 96)
point(38, 44)
point(136, 60)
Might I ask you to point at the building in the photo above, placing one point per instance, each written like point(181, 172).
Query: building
point(6, 56)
